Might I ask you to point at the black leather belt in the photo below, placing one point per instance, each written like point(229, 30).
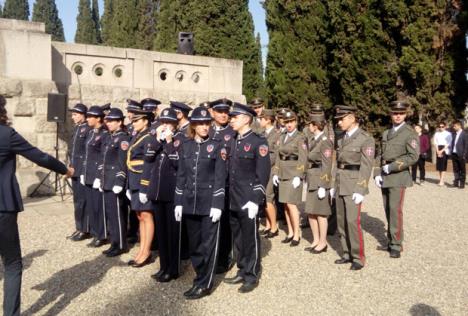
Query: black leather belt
point(348, 167)
point(313, 165)
point(289, 157)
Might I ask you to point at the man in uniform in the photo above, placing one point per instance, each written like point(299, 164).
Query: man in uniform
point(459, 154)
point(77, 153)
point(400, 150)
point(355, 158)
point(258, 105)
point(249, 171)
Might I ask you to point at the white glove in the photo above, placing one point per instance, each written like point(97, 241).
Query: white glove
point(321, 193)
point(252, 209)
point(143, 198)
point(296, 182)
point(215, 214)
point(129, 195)
point(378, 181)
point(178, 213)
point(97, 183)
point(332, 193)
point(82, 180)
point(275, 180)
point(357, 198)
point(117, 189)
point(386, 169)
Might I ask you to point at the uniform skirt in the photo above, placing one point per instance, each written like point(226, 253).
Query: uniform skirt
point(315, 206)
point(137, 206)
point(441, 162)
point(270, 192)
point(287, 193)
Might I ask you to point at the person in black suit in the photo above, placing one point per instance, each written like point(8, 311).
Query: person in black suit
point(12, 144)
point(459, 155)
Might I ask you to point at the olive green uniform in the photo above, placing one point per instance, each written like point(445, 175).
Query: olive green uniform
point(290, 161)
point(400, 150)
point(319, 168)
point(355, 158)
point(272, 138)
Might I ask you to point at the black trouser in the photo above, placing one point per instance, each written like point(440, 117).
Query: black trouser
point(459, 170)
point(116, 215)
point(133, 222)
point(421, 165)
point(203, 237)
point(97, 216)
point(10, 251)
point(225, 238)
point(246, 245)
point(168, 234)
point(79, 202)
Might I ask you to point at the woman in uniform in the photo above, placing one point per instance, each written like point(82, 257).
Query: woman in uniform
point(113, 177)
point(289, 170)
point(199, 196)
point(160, 172)
point(318, 182)
point(135, 159)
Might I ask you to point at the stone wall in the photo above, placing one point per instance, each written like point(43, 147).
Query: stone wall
point(31, 66)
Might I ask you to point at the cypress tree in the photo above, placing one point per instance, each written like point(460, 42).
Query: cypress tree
point(16, 9)
point(96, 19)
point(1, 10)
point(86, 29)
point(260, 71)
point(106, 20)
point(46, 11)
point(296, 74)
point(146, 24)
point(124, 26)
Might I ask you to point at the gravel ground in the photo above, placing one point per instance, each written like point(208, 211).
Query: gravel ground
point(431, 278)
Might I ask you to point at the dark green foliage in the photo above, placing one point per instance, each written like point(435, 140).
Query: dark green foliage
point(46, 11)
point(96, 19)
point(147, 24)
point(86, 28)
point(106, 21)
point(1, 10)
point(124, 26)
point(16, 9)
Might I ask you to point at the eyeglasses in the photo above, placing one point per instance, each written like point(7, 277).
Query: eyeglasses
point(441, 126)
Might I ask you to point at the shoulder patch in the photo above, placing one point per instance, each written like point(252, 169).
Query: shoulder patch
point(247, 147)
point(124, 145)
point(414, 143)
point(327, 153)
point(227, 137)
point(263, 150)
point(176, 143)
point(369, 151)
point(210, 148)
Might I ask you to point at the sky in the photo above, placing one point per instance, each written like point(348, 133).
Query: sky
point(68, 10)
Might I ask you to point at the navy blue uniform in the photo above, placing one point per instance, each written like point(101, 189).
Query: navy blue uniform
point(114, 174)
point(225, 134)
point(77, 156)
point(94, 198)
point(133, 223)
point(160, 172)
point(249, 171)
point(12, 144)
point(201, 182)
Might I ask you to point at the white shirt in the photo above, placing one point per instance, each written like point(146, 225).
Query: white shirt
point(443, 138)
point(318, 135)
point(268, 130)
point(351, 132)
point(454, 149)
point(289, 135)
point(397, 127)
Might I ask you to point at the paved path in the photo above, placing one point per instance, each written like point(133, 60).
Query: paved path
point(431, 278)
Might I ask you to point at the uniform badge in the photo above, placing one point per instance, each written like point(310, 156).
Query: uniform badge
point(327, 153)
point(97, 138)
point(223, 153)
point(83, 129)
point(209, 148)
point(134, 133)
point(369, 152)
point(263, 150)
point(227, 137)
point(414, 144)
point(165, 112)
point(124, 145)
point(247, 147)
point(203, 113)
point(176, 143)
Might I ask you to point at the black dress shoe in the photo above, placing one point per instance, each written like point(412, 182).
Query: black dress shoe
point(91, 244)
point(81, 236)
point(75, 233)
point(264, 231)
point(356, 266)
point(198, 293)
point(131, 262)
point(116, 252)
point(395, 253)
point(235, 280)
point(166, 277)
point(247, 287)
point(310, 248)
point(221, 269)
point(342, 261)
point(381, 248)
point(287, 240)
point(98, 243)
point(144, 263)
point(295, 243)
point(157, 274)
point(112, 247)
point(190, 291)
point(272, 235)
point(316, 252)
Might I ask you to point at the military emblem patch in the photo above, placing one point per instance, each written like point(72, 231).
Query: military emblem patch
point(203, 113)
point(414, 143)
point(176, 143)
point(209, 148)
point(223, 153)
point(227, 137)
point(369, 152)
point(165, 112)
point(83, 129)
point(247, 147)
point(124, 145)
point(263, 150)
point(327, 153)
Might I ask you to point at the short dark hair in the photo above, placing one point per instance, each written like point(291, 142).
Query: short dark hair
point(319, 124)
point(457, 122)
point(3, 111)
